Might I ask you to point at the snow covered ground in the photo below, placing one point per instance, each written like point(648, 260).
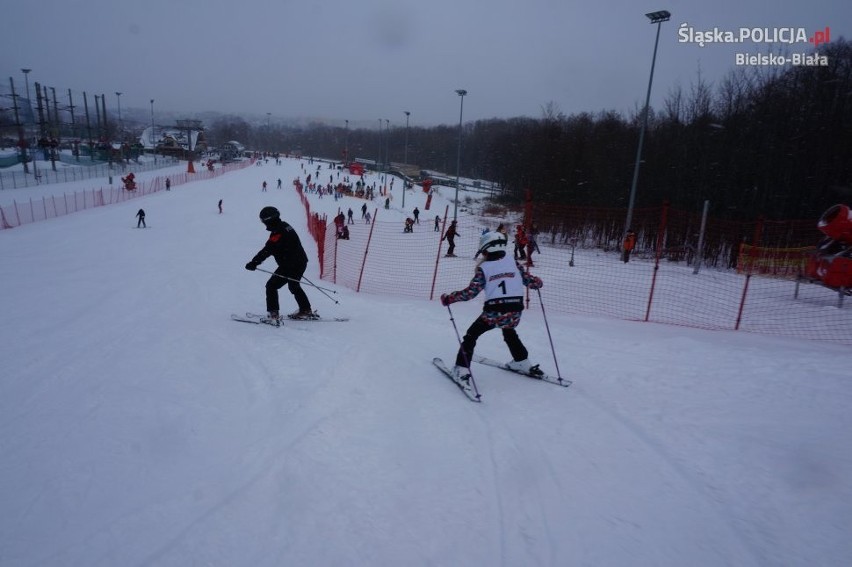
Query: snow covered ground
point(140, 426)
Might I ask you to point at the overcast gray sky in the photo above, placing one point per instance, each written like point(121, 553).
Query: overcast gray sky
point(370, 59)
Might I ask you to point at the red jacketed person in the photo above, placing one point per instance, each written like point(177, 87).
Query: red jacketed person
point(520, 243)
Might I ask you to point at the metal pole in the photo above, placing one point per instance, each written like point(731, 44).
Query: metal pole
point(658, 18)
point(26, 73)
point(152, 126)
point(57, 130)
point(379, 156)
point(699, 254)
point(89, 126)
point(73, 127)
point(387, 144)
point(405, 156)
point(21, 138)
point(27, 81)
point(120, 125)
point(461, 93)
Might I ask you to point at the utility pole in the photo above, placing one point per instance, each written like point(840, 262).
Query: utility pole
point(405, 156)
point(22, 142)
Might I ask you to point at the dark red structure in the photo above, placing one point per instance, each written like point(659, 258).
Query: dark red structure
point(832, 263)
point(129, 182)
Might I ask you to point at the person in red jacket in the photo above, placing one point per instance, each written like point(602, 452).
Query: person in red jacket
point(503, 280)
point(283, 245)
point(520, 243)
point(629, 245)
point(339, 221)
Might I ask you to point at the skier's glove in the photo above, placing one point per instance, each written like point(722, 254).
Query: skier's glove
point(251, 266)
point(445, 299)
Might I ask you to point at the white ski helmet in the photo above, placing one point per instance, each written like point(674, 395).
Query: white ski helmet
point(492, 241)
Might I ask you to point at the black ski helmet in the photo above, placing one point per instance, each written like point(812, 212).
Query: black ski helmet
point(268, 214)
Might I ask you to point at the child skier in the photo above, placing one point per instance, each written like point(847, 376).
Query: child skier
point(503, 280)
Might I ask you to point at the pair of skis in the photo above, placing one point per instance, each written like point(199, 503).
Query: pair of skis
point(259, 319)
point(469, 389)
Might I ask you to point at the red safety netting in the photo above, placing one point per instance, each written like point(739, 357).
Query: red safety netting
point(584, 273)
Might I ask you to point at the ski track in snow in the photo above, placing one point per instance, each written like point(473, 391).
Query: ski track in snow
point(698, 487)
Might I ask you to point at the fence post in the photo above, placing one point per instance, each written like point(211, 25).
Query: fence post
point(367, 250)
point(334, 266)
point(742, 303)
point(438, 257)
point(321, 224)
point(660, 237)
point(3, 222)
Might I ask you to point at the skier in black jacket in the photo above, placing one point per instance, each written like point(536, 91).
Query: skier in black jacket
point(283, 245)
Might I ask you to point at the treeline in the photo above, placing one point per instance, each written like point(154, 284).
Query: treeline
point(772, 142)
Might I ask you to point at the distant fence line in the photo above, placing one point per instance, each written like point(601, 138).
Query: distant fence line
point(54, 206)
point(81, 171)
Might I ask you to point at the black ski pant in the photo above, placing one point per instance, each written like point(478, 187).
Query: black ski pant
point(291, 277)
point(476, 330)
point(451, 249)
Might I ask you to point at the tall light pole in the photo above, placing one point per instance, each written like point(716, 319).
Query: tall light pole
point(26, 73)
point(118, 96)
point(152, 126)
point(387, 143)
point(379, 157)
point(461, 93)
point(22, 134)
point(346, 146)
point(405, 156)
point(656, 18)
point(268, 136)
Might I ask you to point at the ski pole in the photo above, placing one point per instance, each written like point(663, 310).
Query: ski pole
point(297, 281)
point(464, 354)
point(550, 338)
point(322, 290)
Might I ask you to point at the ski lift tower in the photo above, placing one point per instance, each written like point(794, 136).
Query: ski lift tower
point(188, 126)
